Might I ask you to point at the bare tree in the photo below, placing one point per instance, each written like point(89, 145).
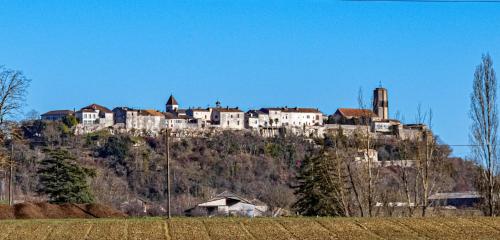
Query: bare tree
point(406, 174)
point(13, 89)
point(425, 161)
point(484, 128)
point(366, 145)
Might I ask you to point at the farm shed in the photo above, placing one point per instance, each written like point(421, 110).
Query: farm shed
point(228, 204)
point(455, 199)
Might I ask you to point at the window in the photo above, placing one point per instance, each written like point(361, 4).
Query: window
point(228, 123)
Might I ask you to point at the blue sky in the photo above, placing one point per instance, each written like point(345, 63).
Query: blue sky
point(252, 54)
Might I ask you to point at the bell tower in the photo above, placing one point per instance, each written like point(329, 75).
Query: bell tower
point(381, 103)
point(172, 105)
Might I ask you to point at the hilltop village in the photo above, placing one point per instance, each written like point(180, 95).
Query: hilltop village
point(268, 121)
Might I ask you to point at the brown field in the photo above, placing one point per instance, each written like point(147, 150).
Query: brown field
point(259, 228)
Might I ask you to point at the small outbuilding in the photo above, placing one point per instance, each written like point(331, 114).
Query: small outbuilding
point(228, 204)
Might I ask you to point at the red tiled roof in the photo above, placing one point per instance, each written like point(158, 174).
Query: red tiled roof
point(356, 112)
point(227, 110)
point(97, 107)
point(301, 110)
point(150, 112)
point(294, 109)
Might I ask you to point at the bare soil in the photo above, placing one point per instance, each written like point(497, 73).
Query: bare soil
point(44, 210)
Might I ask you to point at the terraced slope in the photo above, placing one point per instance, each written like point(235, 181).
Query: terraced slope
point(260, 228)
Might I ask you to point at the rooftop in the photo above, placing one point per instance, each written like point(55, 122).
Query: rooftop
point(293, 109)
point(172, 101)
point(150, 112)
point(356, 112)
point(97, 107)
point(58, 112)
point(454, 195)
point(227, 109)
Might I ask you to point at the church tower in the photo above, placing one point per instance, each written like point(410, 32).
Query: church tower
point(172, 105)
point(381, 103)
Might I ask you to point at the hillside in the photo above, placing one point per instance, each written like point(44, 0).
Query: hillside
point(129, 167)
point(260, 228)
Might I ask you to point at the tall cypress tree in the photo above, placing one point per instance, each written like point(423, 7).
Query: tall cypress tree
point(318, 190)
point(63, 180)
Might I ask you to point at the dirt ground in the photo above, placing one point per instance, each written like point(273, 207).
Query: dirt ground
point(44, 210)
point(459, 228)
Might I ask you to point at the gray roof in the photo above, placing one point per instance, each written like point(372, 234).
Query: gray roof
point(454, 195)
point(58, 112)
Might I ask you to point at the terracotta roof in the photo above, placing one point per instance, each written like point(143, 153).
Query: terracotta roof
point(172, 101)
point(227, 109)
point(58, 112)
point(97, 107)
point(150, 112)
point(301, 110)
point(294, 109)
point(356, 112)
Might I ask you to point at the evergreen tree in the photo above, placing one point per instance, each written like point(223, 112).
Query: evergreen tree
point(63, 180)
point(318, 189)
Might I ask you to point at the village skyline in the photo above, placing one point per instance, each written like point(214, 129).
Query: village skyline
point(314, 55)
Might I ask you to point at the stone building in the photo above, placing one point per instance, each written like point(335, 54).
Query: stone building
point(151, 121)
point(381, 103)
point(229, 118)
point(353, 116)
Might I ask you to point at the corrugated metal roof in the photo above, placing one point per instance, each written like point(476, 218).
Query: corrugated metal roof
point(454, 195)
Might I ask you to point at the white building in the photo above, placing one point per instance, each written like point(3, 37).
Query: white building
point(95, 115)
point(202, 115)
point(255, 119)
point(293, 117)
point(175, 122)
point(230, 118)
